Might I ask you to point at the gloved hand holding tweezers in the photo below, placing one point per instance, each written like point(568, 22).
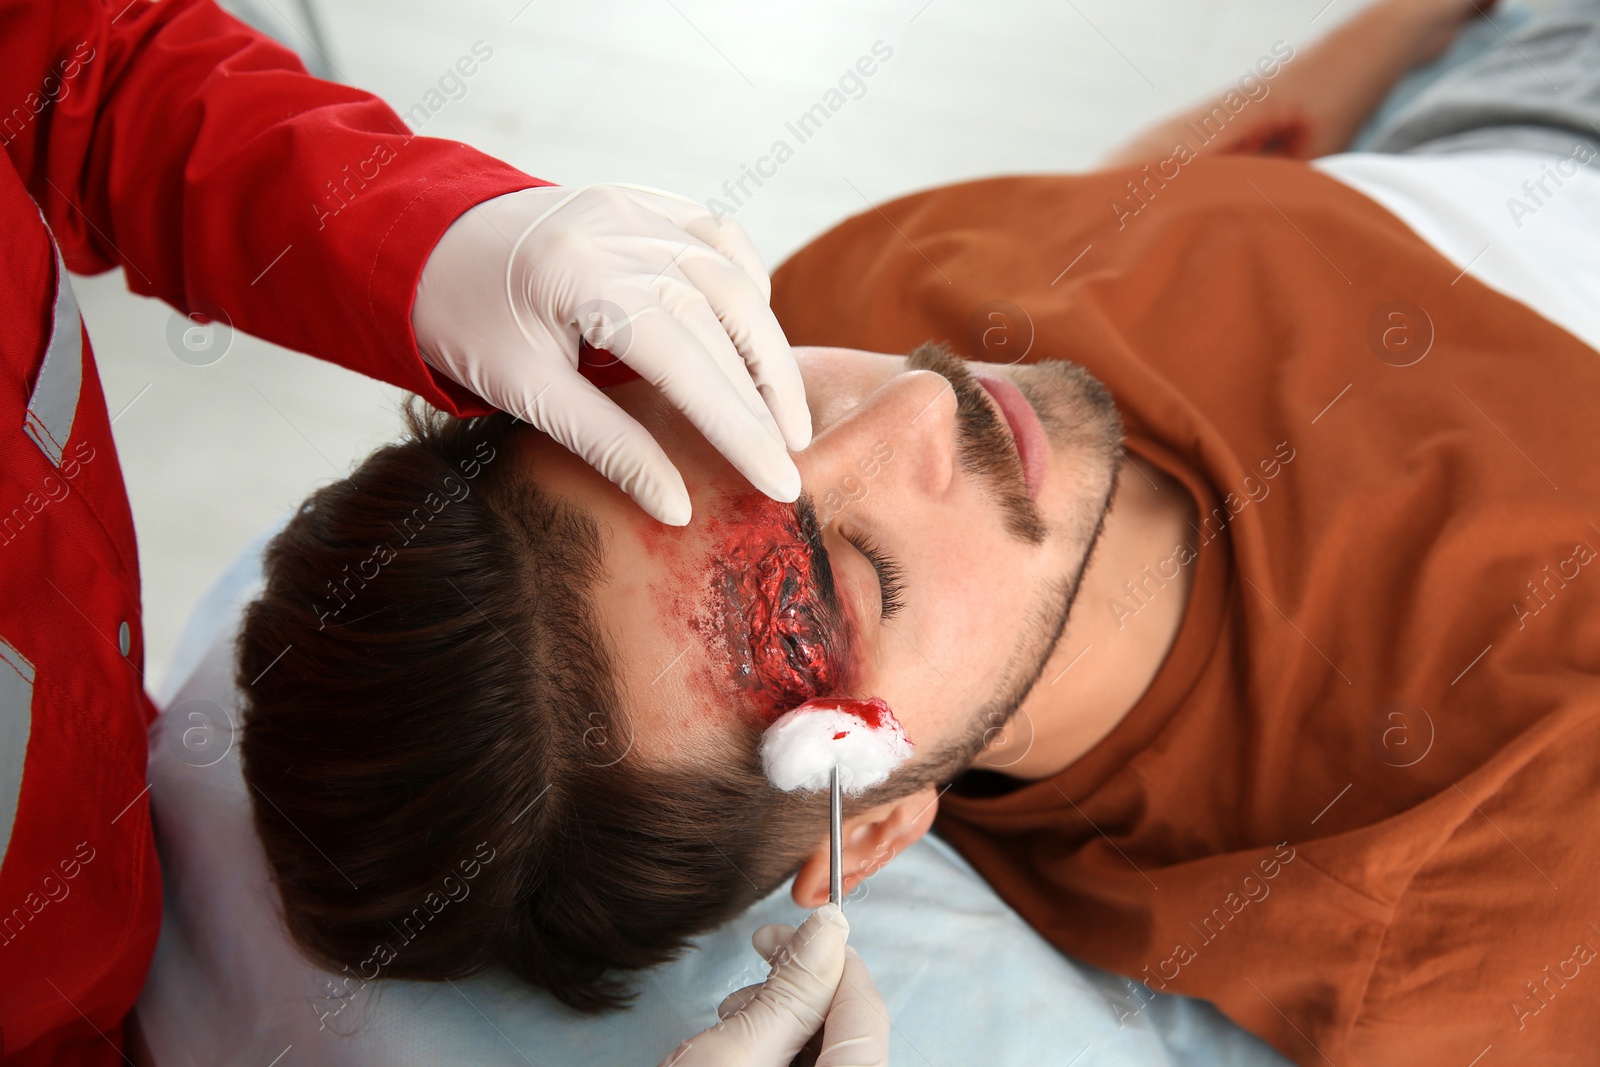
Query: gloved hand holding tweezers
point(819, 997)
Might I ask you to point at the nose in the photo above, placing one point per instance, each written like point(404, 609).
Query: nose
point(901, 435)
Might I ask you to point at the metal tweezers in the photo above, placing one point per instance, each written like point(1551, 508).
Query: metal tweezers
point(835, 841)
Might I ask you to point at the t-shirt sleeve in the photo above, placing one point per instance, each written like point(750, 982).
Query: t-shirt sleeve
point(1496, 940)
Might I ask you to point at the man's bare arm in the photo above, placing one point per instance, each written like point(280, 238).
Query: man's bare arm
point(1319, 98)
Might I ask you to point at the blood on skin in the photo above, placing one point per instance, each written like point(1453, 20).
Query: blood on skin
point(873, 712)
point(749, 594)
point(783, 660)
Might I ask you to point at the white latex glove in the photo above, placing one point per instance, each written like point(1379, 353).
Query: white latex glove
point(648, 276)
point(817, 983)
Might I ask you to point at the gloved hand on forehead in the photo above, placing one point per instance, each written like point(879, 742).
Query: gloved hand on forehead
point(819, 999)
point(677, 295)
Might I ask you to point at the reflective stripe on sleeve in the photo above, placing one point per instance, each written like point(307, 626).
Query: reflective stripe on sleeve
point(16, 723)
point(54, 402)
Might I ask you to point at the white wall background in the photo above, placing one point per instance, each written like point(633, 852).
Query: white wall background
point(678, 94)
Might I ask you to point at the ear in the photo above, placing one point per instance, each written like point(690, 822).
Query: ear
point(871, 839)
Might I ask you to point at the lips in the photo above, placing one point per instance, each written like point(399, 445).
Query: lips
point(1026, 432)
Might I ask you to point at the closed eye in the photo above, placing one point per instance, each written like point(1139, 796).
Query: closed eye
point(891, 583)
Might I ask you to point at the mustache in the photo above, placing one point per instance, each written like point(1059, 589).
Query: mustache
point(984, 446)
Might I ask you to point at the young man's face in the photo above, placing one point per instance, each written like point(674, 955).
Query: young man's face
point(931, 560)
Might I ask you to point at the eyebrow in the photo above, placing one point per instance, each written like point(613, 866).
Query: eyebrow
point(836, 626)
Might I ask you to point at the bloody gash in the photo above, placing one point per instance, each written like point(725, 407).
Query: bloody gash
point(784, 640)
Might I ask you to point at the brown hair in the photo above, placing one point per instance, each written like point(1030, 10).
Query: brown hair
point(437, 756)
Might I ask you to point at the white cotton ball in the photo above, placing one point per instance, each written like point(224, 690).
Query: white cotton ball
point(800, 749)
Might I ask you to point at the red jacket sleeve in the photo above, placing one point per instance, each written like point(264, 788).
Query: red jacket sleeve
point(172, 140)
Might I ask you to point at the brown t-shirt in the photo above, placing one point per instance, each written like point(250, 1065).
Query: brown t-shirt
point(1358, 806)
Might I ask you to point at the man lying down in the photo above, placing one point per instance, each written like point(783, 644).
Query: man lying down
point(1236, 600)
